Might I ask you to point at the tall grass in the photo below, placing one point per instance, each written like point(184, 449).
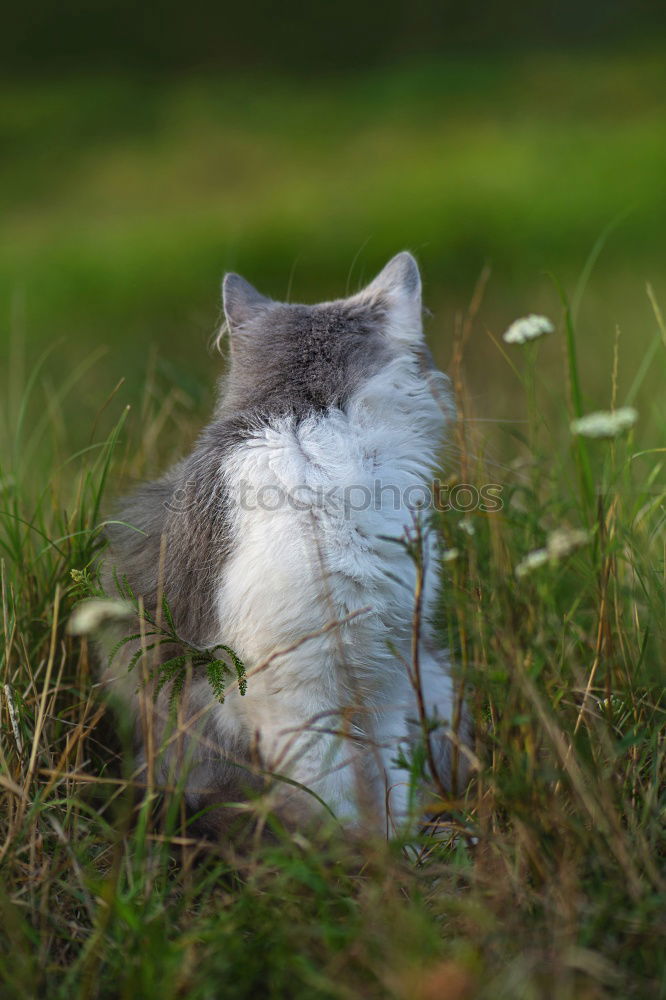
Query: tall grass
point(546, 880)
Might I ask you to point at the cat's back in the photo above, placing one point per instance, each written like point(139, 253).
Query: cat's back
point(319, 511)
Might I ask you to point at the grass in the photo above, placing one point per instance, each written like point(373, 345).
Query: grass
point(122, 201)
point(546, 880)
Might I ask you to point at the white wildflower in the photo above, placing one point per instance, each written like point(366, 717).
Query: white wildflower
point(450, 555)
point(564, 541)
point(605, 423)
point(532, 561)
point(560, 544)
point(528, 328)
point(467, 526)
point(88, 616)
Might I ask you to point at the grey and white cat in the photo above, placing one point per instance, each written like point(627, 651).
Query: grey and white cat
point(277, 537)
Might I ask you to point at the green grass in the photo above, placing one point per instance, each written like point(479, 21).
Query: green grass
point(123, 201)
point(546, 880)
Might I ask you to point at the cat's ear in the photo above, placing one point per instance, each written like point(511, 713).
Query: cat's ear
point(399, 286)
point(242, 302)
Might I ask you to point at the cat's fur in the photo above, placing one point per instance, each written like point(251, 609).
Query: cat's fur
point(317, 399)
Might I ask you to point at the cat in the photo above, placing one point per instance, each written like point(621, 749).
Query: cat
point(285, 535)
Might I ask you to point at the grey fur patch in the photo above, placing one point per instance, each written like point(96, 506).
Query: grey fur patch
point(298, 359)
point(184, 515)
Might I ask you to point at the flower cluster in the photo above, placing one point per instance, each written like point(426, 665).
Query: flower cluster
point(528, 328)
point(560, 544)
point(605, 423)
point(89, 616)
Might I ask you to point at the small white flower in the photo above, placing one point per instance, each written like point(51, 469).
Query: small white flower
point(467, 527)
point(528, 328)
point(88, 616)
point(605, 423)
point(532, 561)
point(560, 544)
point(450, 555)
point(564, 541)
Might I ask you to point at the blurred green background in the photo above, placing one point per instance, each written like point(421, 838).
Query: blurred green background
point(146, 152)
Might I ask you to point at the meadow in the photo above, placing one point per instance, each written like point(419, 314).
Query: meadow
point(533, 184)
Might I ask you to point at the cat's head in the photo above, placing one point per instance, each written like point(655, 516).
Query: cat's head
point(289, 358)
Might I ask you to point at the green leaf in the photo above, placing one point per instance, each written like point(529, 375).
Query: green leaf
point(168, 617)
point(117, 646)
point(215, 672)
